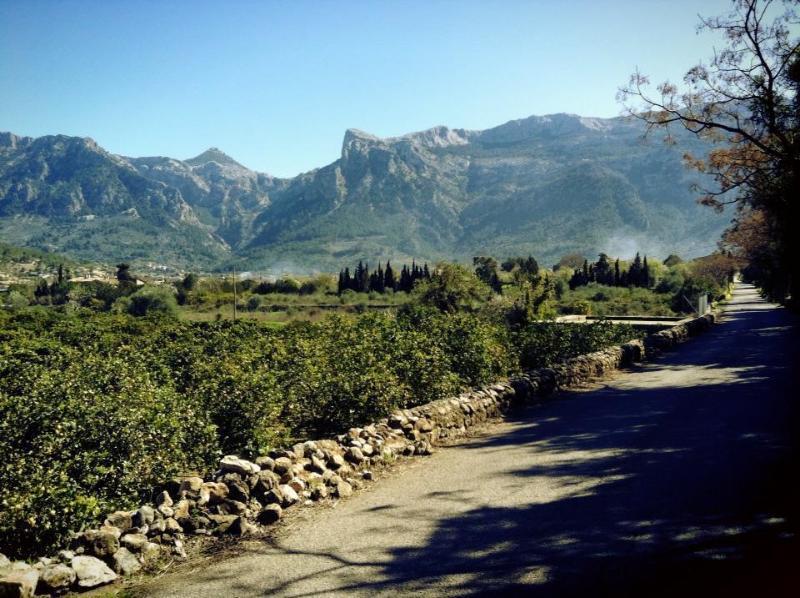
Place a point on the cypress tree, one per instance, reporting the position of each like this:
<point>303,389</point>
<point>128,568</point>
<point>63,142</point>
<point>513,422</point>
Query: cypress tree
<point>616,273</point>
<point>403,282</point>
<point>363,283</point>
<point>408,282</point>
<point>388,277</point>
<point>380,283</point>
<point>42,289</point>
<point>495,283</point>
<point>602,270</point>
<point>635,272</point>
<point>357,276</point>
<point>530,266</point>
<point>576,280</point>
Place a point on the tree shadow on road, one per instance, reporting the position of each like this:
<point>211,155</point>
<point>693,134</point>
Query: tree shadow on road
<point>682,488</point>
<point>632,521</point>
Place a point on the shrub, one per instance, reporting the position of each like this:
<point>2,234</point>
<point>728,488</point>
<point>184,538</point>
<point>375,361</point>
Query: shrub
<point>243,400</point>
<point>87,436</point>
<point>287,285</point>
<point>546,343</point>
<point>452,288</point>
<point>253,303</point>
<point>149,301</point>
<point>16,300</point>
<point>335,377</point>
<point>95,409</point>
<point>422,365</point>
<point>477,348</point>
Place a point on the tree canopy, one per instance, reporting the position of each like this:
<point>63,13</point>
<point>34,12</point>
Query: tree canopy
<point>745,99</point>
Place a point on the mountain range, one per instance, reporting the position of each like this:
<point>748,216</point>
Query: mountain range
<point>544,185</point>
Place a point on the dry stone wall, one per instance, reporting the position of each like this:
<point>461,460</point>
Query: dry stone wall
<point>243,497</point>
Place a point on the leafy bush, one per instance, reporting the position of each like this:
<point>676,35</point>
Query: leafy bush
<point>150,301</point>
<point>86,436</point>
<point>253,303</point>
<point>603,300</point>
<point>95,409</point>
<point>16,300</point>
<point>544,344</point>
<point>477,348</point>
<point>451,288</point>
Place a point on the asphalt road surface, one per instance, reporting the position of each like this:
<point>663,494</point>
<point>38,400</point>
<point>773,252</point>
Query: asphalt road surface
<point>676,477</point>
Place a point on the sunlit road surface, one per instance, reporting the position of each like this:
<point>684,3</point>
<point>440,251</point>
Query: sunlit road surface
<point>677,476</point>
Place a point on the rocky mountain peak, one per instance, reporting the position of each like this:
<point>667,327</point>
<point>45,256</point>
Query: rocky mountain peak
<point>440,136</point>
<point>213,154</point>
<point>357,136</point>
<point>547,126</point>
<point>11,141</point>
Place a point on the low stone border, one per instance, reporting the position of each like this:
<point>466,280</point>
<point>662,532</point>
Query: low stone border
<point>243,496</point>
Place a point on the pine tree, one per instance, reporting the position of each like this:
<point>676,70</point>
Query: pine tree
<point>495,283</point>
<point>124,273</point>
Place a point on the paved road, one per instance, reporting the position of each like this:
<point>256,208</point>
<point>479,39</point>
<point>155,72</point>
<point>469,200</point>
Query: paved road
<point>672,477</point>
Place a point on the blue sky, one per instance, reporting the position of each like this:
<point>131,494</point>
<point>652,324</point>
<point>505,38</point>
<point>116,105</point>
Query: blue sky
<point>275,84</point>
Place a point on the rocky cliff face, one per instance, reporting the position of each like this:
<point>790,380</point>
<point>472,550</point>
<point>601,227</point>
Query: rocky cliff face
<point>71,177</point>
<point>68,194</point>
<point>544,185</point>
<point>224,194</point>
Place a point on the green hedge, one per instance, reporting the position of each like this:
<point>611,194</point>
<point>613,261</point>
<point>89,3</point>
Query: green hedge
<point>96,409</point>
